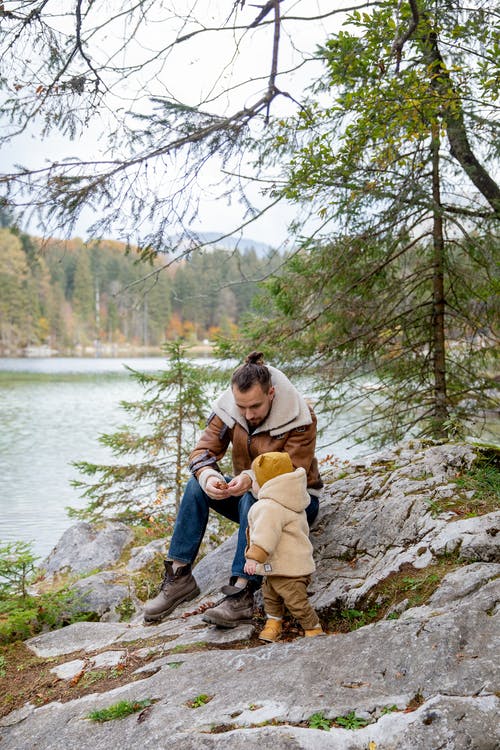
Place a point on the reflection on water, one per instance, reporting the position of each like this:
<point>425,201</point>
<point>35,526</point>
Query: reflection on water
<point>52,412</point>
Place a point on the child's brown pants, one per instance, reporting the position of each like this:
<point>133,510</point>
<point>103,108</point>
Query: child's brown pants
<point>281,591</point>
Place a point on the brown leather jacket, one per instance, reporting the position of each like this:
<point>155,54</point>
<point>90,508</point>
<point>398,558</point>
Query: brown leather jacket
<point>290,426</point>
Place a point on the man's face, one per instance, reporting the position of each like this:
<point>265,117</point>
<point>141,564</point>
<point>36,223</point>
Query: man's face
<point>254,404</point>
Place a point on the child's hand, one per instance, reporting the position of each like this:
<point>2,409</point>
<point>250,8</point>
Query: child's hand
<point>250,567</point>
<point>239,485</point>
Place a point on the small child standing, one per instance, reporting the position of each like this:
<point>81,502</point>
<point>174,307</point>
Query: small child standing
<point>278,544</point>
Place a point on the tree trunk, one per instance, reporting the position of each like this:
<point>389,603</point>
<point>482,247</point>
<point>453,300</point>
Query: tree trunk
<point>440,408</point>
<point>179,441</point>
<point>460,147</point>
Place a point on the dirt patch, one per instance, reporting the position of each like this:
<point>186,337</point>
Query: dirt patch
<point>26,678</point>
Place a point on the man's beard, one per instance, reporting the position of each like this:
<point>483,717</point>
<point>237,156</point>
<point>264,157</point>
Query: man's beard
<point>257,422</point>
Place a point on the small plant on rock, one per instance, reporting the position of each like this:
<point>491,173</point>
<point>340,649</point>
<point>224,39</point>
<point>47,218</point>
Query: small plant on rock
<point>351,721</point>
<point>483,479</point>
<point>389,709</point>
<point>318,721</point>
<point>358,618</point>
<point>200,700</point>
<point>23,614</point>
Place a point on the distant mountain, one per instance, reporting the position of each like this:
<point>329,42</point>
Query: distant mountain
<point>228,243</point>
<point>242,243</point>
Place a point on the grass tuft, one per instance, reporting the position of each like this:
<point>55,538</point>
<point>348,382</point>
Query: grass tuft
<point>118,710</point>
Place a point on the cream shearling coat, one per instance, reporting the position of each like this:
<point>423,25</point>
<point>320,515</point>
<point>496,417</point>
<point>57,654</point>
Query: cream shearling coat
<point>278,532</point>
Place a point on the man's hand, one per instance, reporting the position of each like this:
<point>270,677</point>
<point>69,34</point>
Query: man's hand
<point>250,567</point>
<point>216,488</point>
<point>239,485</point>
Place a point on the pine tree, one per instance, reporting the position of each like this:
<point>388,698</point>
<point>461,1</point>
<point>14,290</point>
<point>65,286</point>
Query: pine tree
<point>395,280</point>
<point>165,424</point>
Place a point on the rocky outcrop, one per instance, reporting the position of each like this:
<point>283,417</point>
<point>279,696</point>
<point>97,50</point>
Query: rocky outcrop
<point>420,671</point>
<point>83,548</point>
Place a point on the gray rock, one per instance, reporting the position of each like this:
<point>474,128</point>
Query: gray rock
<point>84,548</point>
<point>475,538</point>
<point>69,669</point>
<point>81,636</point>
<point>214,570</point>
<point>424,681</point>
<point>100,594</point>
<point>462,582</point>
<point>385,519</point>
<point>175,631</point>
<point>108,659</point>
<point>141,557</point>
<point>447,660</point>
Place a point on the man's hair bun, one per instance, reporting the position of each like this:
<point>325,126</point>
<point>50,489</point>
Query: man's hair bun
<point>254,358</point>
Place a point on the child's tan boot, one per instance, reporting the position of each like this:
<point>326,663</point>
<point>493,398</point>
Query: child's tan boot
<point>318,630</point>
<point>271,631</point>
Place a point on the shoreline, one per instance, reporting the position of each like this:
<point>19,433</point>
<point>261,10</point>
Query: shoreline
<point>103,352</point>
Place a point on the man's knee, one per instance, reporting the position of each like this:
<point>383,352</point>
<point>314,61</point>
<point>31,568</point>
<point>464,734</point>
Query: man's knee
<point>192,488</point>
<point>312,510</point>
<point>194,495</point>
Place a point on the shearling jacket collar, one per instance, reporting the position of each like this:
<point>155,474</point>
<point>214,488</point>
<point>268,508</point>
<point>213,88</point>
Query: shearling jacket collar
<point>289,409</point>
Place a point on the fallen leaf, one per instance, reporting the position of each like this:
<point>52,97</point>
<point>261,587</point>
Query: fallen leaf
<point>76,679</point>
<point>202,608</point>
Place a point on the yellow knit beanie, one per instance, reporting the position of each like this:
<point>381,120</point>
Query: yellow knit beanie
<point>269,465</point>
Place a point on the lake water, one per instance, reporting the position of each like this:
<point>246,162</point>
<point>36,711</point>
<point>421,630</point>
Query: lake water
<point>51,414</point>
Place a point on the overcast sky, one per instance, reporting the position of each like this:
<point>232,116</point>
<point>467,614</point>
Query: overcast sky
<point>193,74</point>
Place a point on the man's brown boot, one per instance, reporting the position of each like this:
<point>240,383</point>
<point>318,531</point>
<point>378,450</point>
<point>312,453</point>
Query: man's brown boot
<point>176,588</point>
<point>235,609</point>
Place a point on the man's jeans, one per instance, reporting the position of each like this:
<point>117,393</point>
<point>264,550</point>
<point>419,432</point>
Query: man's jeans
<point>192,519</point>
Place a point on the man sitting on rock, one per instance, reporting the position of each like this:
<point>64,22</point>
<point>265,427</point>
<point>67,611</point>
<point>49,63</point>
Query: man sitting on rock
<point>260,412</point>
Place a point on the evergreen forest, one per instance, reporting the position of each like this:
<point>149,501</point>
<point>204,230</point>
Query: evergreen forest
<point>72,297</point>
